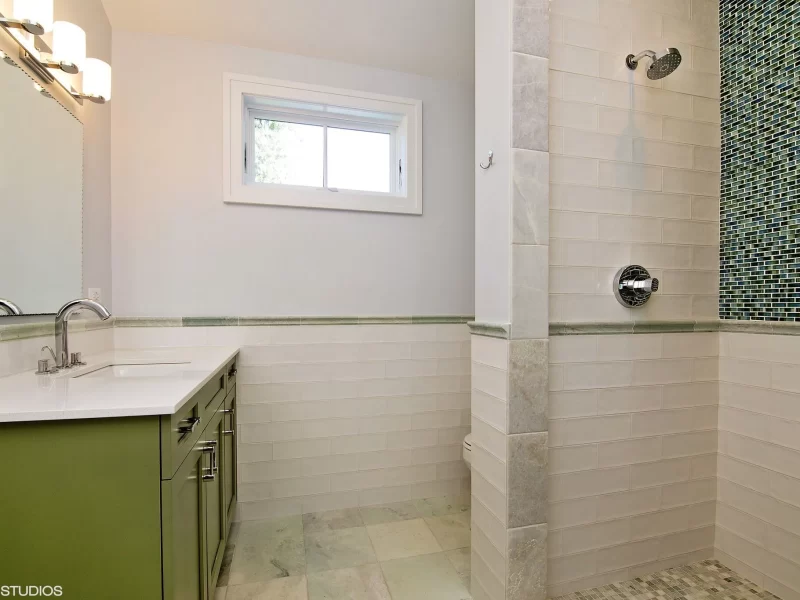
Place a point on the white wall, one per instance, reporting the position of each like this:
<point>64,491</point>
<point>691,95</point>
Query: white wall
<point>493,186</point>
<point>91,16</point>
<point>178,250</point>
<point>634,164</point>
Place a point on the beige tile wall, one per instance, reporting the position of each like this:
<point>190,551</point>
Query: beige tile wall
<point>633,437</point>
<point>634,163</point>
<point>758,515</point>
<point>489,448</point>
<point>341,416</point>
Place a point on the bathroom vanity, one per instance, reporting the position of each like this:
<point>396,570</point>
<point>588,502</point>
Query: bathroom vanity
<point>119,477</point>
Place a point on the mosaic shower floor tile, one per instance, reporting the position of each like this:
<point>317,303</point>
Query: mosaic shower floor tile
<point>705,580</point>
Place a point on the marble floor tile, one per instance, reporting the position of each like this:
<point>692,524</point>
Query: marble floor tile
<point>357,583</point>
<point>451,531</point>
<point>268,550</point>
<point>332,519</point>
<point>337,549</point>
<point>439,507</point>
<point>430,577</point>
<point>288,588</point>
<point>233,532</point>
<point>402,539</point>
<point>387,513</point>
<point>461,560</point>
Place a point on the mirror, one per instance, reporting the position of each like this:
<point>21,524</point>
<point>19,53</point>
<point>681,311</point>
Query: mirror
<point>41,197</point>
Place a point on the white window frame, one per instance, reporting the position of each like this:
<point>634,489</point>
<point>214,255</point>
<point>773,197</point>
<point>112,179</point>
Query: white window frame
<point>246,98</point>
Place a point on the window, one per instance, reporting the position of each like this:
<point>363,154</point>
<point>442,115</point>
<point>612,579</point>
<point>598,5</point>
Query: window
<point>291,144</point>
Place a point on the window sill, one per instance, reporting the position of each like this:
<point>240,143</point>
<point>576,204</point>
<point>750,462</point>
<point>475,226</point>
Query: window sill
<point>326,199</point>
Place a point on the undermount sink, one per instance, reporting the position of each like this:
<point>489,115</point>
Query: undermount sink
<point>136,371</point>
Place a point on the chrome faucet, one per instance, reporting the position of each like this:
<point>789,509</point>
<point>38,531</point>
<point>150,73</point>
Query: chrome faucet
<point>62,323</point>
<point>9,307</point>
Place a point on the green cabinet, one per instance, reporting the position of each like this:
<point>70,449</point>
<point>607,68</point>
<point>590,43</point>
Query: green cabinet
<point>229,472</point>
<point>215,514</point>
<point>182,531</point>
<point>134,508</point>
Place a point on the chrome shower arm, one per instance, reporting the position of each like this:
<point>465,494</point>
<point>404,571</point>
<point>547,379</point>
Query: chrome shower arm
<point>633,60</point>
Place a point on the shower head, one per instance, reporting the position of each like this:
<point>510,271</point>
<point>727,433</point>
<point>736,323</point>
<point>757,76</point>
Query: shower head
<point>663,64</point>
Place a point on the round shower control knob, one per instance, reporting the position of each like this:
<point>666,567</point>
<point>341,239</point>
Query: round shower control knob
<point>633,286</point>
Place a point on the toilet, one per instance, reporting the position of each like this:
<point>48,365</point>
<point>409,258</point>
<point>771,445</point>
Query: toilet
<point>468,450</point>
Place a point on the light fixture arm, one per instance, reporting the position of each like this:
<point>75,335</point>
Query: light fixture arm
<point>67,67</point>
<point>29,26</point>
<point>89,97</point>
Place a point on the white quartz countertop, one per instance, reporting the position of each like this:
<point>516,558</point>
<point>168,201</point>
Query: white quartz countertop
<point>80,393</point>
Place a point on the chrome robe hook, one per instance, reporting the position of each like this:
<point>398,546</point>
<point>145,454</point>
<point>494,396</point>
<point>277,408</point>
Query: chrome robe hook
<point>491,161</point>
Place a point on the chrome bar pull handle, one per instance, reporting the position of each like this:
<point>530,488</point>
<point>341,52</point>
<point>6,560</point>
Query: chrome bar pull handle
<point>188,425</point>
<point>210,446</point>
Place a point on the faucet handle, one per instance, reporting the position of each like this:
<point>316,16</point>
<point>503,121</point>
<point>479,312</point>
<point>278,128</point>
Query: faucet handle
<point>75,360</point>
<point>44,367</point>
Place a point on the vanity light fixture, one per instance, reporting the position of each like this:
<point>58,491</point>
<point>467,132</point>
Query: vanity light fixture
<point>34,18</point>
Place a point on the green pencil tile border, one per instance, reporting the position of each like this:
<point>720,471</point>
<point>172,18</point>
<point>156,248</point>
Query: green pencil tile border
<point>149,322</point>
<point>495,330</point>
<point>761,327</point>
<point>286,321</point>
<point>633,327</point>
<point>44,328</point>
<point>24,331</point>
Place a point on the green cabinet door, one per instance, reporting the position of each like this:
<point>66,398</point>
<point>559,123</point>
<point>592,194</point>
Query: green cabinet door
<point>215,514</point>
<point>229,456</point>
<point>183,522</point>
<point>79,507</point>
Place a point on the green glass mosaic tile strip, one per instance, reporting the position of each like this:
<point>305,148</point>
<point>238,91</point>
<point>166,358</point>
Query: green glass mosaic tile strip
<point>760,195</point>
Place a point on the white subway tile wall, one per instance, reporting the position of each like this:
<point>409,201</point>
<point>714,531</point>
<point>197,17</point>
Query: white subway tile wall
<point>490,358</point>
<point>633,451</point>
<point>339,416</point>
<point>758,514</point>
<point>634,162</point>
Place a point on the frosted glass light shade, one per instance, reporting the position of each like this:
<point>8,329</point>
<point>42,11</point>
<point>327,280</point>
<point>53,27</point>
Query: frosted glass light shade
<point>97,78</point>
<point>38,11</point>
<point>69,43</point>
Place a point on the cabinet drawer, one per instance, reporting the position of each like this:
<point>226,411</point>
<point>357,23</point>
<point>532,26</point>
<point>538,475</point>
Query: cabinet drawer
<point>179,432</point>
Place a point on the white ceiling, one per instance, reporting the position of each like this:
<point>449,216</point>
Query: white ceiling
<point>435,38</point>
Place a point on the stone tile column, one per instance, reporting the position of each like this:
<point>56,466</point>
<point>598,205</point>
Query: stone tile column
<point>510,372</point>
<point>527,453</point>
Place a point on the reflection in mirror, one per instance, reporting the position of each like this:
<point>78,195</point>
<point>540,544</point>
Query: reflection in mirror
<point>41,197</point>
